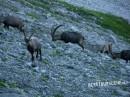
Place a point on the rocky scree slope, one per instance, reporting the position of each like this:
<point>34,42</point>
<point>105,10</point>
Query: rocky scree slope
<point>66,69</point>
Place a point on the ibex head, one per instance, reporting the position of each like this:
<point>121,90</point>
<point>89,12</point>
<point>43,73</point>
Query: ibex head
<point>27,39</point>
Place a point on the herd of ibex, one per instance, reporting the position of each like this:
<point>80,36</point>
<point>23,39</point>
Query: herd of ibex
<point>33,44</point>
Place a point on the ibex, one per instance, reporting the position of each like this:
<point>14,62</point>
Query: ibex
<point>115,55</point>
<point>124,54</point>
<point>106,48</point>
<point>12,21</point>
<point>33,46</point>
<point>73,37</point>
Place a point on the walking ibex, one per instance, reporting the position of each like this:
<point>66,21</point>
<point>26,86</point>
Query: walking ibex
<point>106,48</point>
<point>73,37</point>
<point>33,46</point>
<point>124,54</point>
<point>12,21</point>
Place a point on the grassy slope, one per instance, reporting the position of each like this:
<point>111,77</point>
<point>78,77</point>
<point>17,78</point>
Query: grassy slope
<point>117,24</point>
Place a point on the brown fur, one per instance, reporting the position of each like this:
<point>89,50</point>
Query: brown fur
<point>124,54</point>
<point>13,22</point>
<point>116,55</point>
<point>73,37</point>
<point>33,46</point>
<point>107,48</point>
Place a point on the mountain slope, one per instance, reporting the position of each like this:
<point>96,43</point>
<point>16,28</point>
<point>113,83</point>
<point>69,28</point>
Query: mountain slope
<point>66,69</point>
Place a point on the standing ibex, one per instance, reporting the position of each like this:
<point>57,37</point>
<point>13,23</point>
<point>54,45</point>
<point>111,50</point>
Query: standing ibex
<point>33,46</point>
<point>106,48</point>
<point>12,21</point>
<point>73,37</point>
<point>124,54</point>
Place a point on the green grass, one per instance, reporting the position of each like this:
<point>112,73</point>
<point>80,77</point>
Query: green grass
<point>56,53</point>
<point>45,61</point>
<point>3,84</point>
<point>13,85</point>
<point>115,93</point>
<point>44,77</point>
<point>58,95</point>
<point>33,15</point>
<point>39,3</point>
<point>24,2</point>
<point>117,24</point>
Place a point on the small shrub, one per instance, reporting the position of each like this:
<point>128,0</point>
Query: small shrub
<point>58,95</point>
<point>3,84</point>
<point>56,53</point>
<point>44,78</point>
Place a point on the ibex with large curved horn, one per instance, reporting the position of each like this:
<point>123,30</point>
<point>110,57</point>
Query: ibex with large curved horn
<point>73,37</point>
<point>33,46</point>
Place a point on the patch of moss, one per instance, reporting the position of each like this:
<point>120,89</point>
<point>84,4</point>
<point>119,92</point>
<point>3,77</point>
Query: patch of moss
<point>65,17</point>
<point>125,87</point>
<point>13,85</point>
<point>56,53</point>
<point>38,96</point>
<point>4,59</point>
<point>115,93</point>
<point>44,78</point>
<point>33,15</point>
<point>3,84</point>
<point>62,79</point>
<point>25,3</point>
<point>58,95</point>
<point>39,3</point>
<point>45,61</point>
<point>115,66</point>
<point>13,8</point>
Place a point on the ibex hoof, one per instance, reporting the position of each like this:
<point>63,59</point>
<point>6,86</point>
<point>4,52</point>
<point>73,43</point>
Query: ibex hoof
<point>33,65</point>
